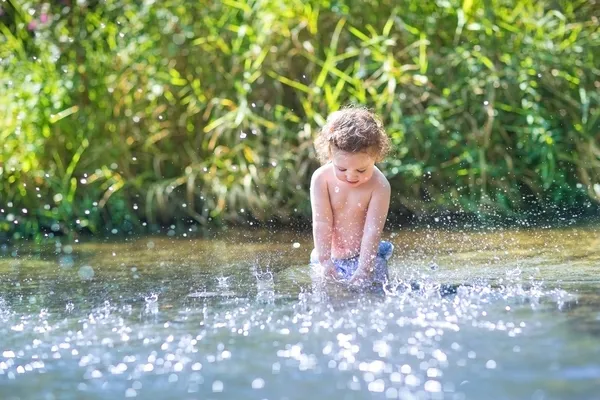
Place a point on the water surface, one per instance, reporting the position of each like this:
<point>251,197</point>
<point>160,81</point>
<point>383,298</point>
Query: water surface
<point>492,314</point>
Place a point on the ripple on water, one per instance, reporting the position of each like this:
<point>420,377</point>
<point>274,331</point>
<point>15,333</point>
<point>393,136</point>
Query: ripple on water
<point>418,341</point>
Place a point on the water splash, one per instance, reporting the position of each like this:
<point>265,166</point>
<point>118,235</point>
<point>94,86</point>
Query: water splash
<point>222,282</point>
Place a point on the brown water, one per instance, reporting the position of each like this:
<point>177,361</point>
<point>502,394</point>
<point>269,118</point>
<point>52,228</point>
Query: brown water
<point>494,314</point>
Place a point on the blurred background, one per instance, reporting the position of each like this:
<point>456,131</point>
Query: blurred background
<point>122,116</point>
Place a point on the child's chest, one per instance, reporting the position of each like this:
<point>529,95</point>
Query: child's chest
<point>353,200</point>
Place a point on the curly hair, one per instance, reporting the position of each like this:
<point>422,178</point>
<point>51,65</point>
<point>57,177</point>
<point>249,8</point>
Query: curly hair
<point>353,130</point>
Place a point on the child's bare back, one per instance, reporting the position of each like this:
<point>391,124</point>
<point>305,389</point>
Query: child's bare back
<point>350,198</point>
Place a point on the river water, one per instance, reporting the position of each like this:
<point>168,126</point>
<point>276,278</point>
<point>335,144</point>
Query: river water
<point>484,314</point>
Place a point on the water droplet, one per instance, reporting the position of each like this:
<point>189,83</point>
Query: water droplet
<point>258,383</point>
<point>86,272</point>
<point>433,386</point>
<point>222,282</point>
<point>66,262</point>
<point>337,189</point>
<point>217,386</point>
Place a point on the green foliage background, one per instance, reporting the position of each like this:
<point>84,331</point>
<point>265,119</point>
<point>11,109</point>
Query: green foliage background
<point>120,115</point>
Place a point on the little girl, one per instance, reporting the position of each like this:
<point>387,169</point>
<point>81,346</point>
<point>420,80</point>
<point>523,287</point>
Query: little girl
<point>350,198</point>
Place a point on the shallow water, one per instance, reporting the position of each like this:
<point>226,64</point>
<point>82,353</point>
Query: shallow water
<point>494,314</point>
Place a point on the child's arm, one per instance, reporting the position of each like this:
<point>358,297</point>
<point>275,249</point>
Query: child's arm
<point>322,219</point>
<point>374,223</point>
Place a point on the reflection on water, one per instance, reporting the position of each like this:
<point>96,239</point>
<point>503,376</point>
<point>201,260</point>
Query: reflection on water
<point>467,315</point>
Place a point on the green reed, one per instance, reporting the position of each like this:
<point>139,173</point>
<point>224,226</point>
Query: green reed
<point>125,116</point>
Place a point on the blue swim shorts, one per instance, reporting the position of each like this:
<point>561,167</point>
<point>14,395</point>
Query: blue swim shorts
<point>347,266</point>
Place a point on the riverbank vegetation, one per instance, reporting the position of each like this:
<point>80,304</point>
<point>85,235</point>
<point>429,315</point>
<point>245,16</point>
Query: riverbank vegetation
<point>122,116</point>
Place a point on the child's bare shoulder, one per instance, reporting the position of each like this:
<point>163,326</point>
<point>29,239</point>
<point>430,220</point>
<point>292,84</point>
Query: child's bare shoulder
<point>322,174</point>
<point>380,180</point>
<point>379,184</point>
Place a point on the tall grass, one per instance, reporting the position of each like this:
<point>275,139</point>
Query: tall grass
<point>124,115</point>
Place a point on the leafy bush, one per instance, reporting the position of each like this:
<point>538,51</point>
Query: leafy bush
<point>124,114</point>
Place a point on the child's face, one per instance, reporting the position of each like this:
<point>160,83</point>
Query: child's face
<point>354,169</point>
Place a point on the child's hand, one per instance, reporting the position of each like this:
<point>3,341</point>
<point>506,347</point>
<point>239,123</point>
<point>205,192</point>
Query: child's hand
<point>331,272</point>
<point>360,278</point>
